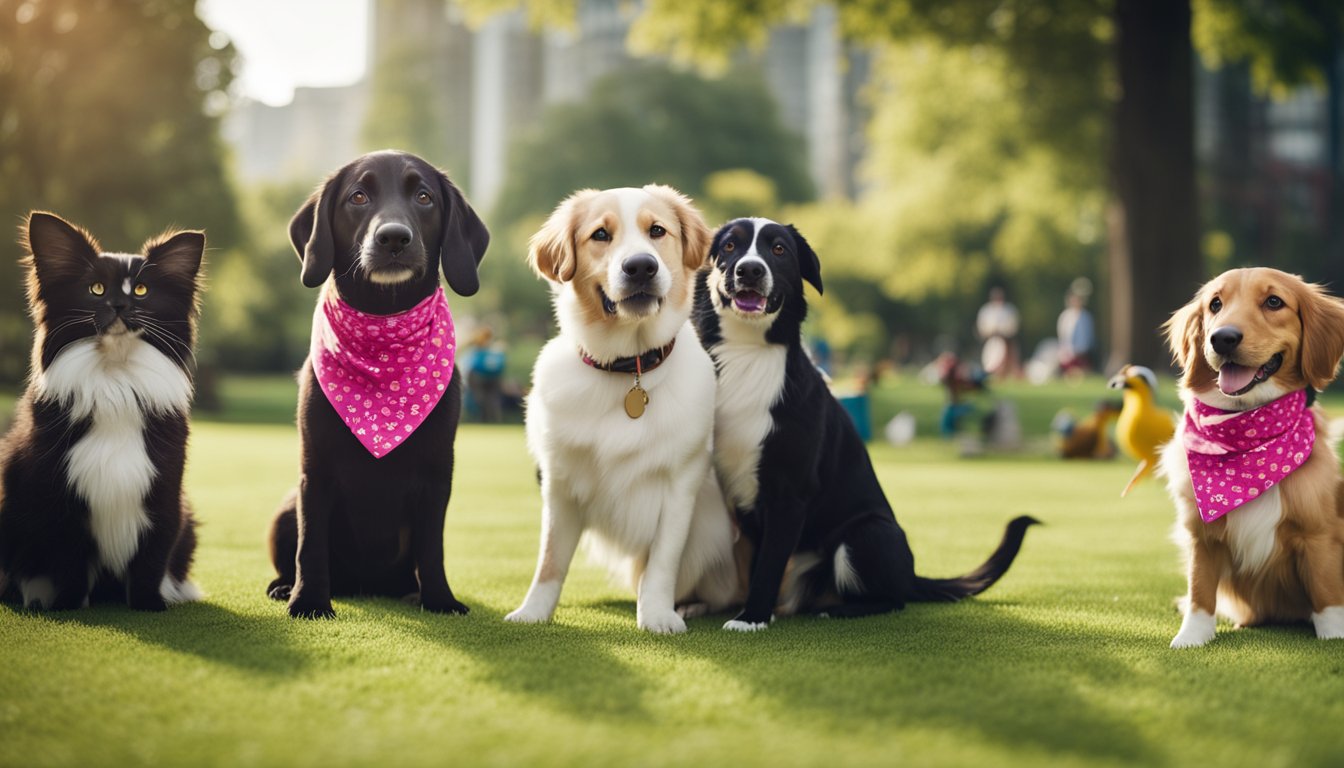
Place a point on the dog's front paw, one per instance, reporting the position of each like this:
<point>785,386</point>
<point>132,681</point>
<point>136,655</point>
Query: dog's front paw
<point>661,622</point>
<point>525,615</point>
<point>1197,629</point>
<point>446,605</point>
<point>279,590</point>
<point>1329,623</point>
<point>737,625</point>
<point>301,608</point>
<point>147,601</point>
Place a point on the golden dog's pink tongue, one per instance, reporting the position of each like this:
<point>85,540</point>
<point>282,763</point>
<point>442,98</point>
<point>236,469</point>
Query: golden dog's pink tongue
<point>1233,378</point>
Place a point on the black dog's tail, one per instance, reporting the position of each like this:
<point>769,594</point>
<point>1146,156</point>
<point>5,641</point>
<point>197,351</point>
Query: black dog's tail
<point>982,578</point>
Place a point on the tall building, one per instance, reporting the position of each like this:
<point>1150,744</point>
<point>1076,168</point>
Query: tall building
<point>1268,173</point>
<point>489,82</point>
<point>311,136</point>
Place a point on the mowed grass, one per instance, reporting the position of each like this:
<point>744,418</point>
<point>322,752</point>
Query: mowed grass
<point>1064,662</point>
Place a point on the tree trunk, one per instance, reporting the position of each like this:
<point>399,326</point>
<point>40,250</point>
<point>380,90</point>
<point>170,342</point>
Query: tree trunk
<point>1153,242</point>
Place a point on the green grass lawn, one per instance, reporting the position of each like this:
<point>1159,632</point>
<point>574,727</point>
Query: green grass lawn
<point>1064,662</point>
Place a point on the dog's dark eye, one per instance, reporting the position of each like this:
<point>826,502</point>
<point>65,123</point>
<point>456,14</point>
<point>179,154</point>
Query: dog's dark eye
<point>358,197</point>
<point>729,246</point>
<point>656,231</point>
<point>1274,302</point>
<point>1215,305</point>
<point>602,234</point>
<point>778,250</point>
<point>423,198</point>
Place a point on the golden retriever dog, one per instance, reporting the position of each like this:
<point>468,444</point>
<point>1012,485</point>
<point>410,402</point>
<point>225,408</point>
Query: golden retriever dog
<point>1255,478</point>
<point>621,412</point>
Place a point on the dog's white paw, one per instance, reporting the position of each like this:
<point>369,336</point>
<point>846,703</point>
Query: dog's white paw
<point>1197,629</point>
<point>1329,623</point>
<point>746,626</point>
<point>524,615</point>
<point>662,622</point>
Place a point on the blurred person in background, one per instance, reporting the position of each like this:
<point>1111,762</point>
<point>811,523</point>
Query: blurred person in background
<point>997,323</point>
<point>1076,331</point>
<point>485,376</point>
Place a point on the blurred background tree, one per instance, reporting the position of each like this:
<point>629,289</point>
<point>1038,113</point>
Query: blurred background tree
<point>653,123</point>
<point>109,116</point>
<point>1010,142</point>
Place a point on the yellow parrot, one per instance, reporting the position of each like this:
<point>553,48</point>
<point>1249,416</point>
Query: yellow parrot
<point>1144,426</point>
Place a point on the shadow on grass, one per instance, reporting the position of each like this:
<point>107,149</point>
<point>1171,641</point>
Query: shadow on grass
<point>970,667</point>
<point>256,644</point>
<point>570,668</point>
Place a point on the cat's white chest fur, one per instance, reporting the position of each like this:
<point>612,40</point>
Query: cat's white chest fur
<point>115,380</point>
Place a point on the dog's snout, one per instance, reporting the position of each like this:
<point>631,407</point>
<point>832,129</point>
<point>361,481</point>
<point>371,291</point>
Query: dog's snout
<point>751,271</point>
<point>1225,339</point>
<point>393,237</point>
<point>641,266</point>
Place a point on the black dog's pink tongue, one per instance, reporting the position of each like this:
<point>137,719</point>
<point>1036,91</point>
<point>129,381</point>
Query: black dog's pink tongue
<point>749,301</point>
<point>1233,378</point>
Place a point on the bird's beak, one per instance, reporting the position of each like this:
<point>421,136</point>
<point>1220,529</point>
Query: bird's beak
<point>1117,382</point>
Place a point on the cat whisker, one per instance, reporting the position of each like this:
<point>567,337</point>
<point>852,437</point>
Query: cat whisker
<point>152,328</point>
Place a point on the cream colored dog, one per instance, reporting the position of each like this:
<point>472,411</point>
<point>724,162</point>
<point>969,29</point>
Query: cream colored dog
<point>620,417</point>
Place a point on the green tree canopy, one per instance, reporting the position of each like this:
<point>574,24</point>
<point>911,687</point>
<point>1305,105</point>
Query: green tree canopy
<point>109,117</point>
<point>650,123</point>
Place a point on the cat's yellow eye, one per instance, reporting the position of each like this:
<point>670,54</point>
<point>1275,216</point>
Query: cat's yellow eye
<point>141,289</point>
<point>96,289</point>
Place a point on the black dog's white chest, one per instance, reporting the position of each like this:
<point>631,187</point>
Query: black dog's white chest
<point>751,380</point>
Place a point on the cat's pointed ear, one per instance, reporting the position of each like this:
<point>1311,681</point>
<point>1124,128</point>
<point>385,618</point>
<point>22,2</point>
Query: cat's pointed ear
<point>177,254</point>
<point>57,247</point>
<point>310,231</point>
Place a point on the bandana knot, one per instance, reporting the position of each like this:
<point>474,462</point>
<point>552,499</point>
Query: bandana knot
<point>1235,456</point>
<point>383,373</point>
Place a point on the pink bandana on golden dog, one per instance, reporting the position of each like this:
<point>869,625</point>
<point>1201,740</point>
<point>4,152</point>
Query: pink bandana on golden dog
<point>383,373</point>
<point>1235,458</point>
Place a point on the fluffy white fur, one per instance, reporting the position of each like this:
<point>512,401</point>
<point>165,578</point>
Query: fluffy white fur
<point>1197,628</point>
<point>847,579</point>
<point>116,379</point>
<point>1329,623</point>
<point>642,489</point>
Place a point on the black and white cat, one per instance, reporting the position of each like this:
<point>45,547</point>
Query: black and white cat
<point>91,501</point>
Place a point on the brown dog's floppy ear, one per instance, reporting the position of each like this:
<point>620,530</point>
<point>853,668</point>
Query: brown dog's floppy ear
<point>695,232</point>
<point>552,252</point>
<point>310,231</point>
<point>462,241</point>
<point>1322,335</point>
<point>809,266</point>
<point>1185,337</point>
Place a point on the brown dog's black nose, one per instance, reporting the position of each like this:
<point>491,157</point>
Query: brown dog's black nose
<point>641,266</point>
<point>393,237</point>
<point>1225,339</point>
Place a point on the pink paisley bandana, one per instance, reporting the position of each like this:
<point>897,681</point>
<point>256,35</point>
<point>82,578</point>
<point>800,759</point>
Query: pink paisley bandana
<point>1234,461</point>
<point>383,373</point>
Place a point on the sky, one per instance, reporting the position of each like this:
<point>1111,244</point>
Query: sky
<point>288,43</point>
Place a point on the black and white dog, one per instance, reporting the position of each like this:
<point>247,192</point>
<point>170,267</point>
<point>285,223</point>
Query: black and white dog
<point>788,456</point>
